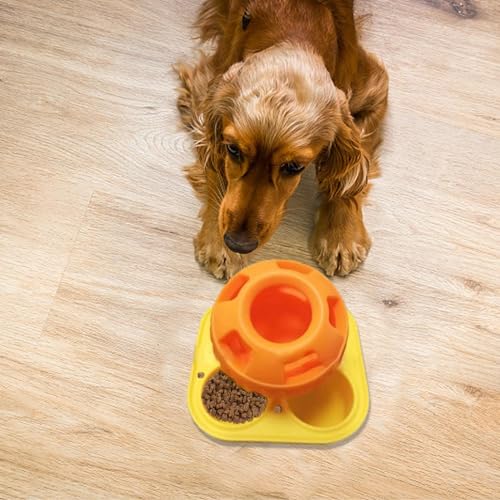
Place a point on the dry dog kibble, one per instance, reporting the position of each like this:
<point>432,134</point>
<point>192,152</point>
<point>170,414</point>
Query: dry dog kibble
<point>228,402</point>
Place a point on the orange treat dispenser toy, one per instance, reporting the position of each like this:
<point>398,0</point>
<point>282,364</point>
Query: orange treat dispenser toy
<point>281,329</point>
<point>278,328</point>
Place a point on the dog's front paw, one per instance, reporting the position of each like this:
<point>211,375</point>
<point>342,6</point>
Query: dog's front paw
<point>341,253</point>
<point>212,254</point>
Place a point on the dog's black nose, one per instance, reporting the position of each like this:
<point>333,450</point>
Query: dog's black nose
<point>240,242</point>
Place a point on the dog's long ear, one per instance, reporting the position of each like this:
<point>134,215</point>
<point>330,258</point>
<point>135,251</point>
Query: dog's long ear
<point>218,104</point>
<point>342,170</point>
<point>211,147</point>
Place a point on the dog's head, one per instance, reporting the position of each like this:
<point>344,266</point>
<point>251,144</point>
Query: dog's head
<point>267,120</point>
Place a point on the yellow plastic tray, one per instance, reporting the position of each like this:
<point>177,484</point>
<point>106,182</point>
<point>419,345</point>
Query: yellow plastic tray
<point>329,413</point>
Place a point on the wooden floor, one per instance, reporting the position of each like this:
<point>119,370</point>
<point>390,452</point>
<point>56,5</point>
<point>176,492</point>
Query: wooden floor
<point>100,296</point>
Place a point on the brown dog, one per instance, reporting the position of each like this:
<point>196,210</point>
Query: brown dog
<point>288,87</point>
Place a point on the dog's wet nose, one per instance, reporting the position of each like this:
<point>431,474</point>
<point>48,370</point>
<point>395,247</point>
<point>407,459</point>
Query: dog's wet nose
<point>240,242</point>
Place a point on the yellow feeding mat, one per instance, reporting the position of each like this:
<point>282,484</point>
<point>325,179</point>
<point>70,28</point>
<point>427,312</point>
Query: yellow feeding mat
<point>329,413</point>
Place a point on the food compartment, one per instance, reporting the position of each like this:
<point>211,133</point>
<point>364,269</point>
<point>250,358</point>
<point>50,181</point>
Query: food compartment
<point>327,405</point>
<point>226,402</point>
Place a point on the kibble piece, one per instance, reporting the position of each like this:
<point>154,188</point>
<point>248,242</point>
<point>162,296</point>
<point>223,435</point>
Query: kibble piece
<point>228,402</point>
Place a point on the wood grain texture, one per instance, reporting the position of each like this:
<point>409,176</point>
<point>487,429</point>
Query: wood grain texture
<point>100,296</point>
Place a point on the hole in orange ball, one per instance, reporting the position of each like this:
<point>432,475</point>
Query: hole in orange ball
<point>281,313</point>
<point>236,346</point>
<point>233,287</point>
<point>332,304</point>
<point>294,266</point>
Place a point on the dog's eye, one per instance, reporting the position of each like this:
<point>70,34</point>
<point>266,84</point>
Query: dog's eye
<point>291,168</point>
<point>245,20</point>
<point>234,151</point>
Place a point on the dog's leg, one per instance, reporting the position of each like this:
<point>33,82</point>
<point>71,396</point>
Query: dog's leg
<point>368,102</point>
<point>210,250</point>
<point>340,241</point>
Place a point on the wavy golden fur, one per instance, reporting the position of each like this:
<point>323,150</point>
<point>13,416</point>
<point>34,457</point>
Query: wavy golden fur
<point>287,87</point>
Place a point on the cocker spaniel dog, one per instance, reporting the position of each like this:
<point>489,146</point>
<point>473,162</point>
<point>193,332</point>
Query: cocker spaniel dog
<point>286,87</point>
